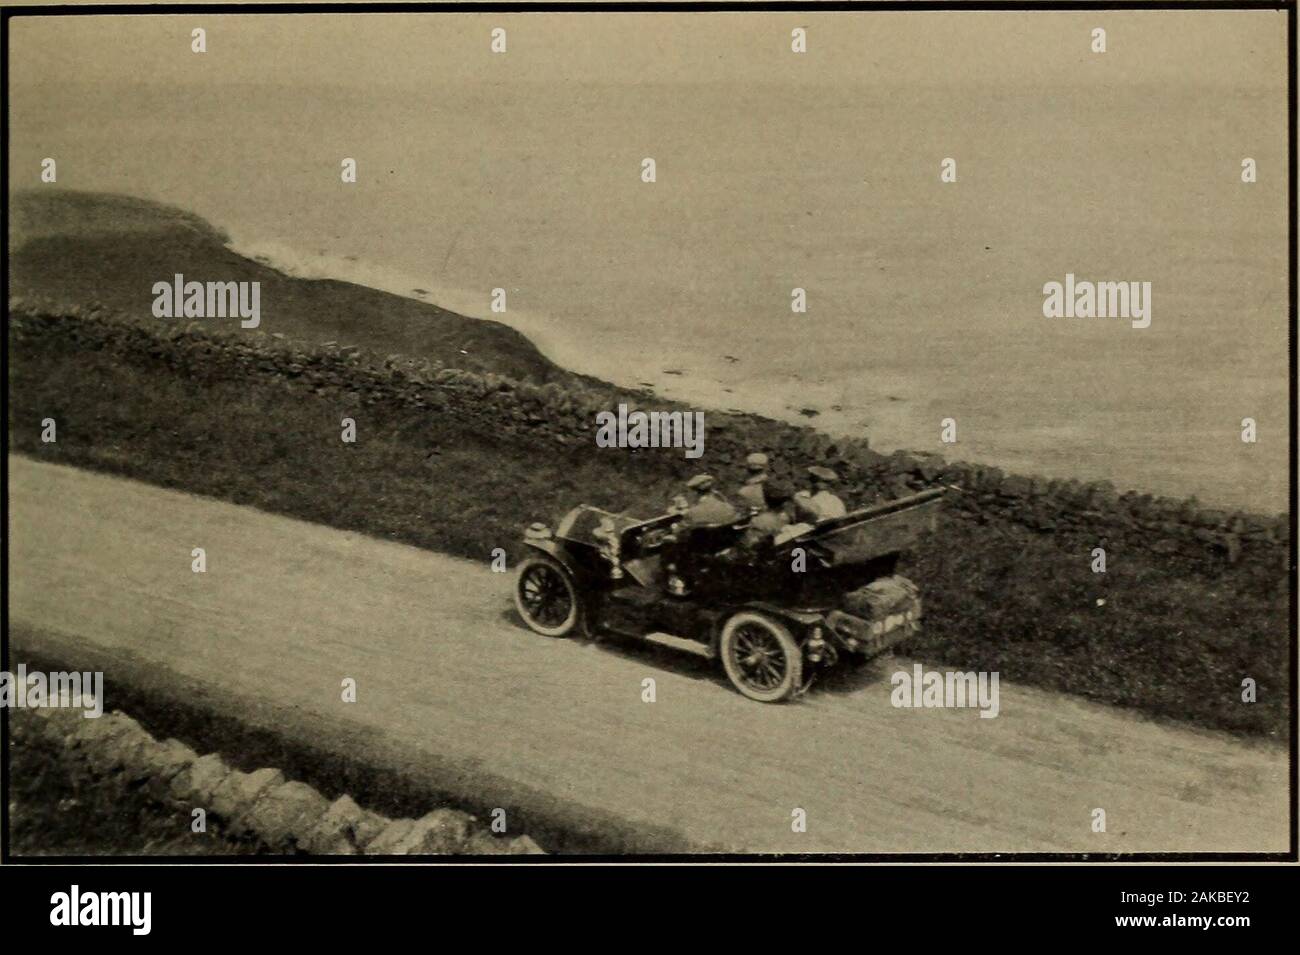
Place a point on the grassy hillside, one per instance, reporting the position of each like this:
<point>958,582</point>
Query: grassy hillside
<point>1171,635</point>
<point>76,248</point>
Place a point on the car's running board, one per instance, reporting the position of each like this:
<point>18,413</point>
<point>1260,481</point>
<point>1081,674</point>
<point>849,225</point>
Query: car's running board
<point>680,643</point>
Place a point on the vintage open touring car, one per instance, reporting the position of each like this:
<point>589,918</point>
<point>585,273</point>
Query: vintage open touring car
<point>772,617</point>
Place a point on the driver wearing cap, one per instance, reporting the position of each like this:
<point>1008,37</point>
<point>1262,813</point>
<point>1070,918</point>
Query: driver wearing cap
<point>709,507</point>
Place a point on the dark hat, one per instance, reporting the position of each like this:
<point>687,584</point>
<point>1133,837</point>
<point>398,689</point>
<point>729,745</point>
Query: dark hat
<point>775,494</point>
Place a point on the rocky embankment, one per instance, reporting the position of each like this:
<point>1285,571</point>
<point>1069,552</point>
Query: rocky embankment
<point>261,811</point>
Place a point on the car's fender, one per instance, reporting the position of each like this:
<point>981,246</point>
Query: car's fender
<point>799,622</point>
<point>551,548</point>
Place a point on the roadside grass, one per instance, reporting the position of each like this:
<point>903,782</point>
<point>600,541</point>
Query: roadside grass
<point>1169,637</point>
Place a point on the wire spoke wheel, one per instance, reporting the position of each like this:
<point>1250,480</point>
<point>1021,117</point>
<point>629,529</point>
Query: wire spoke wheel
<point>760,657</point>
<point>545,597</point>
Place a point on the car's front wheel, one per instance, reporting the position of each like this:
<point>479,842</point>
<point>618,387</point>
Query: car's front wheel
<point>761,658</point>
<point>546,597</point>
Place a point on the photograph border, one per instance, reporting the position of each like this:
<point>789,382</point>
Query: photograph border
<point>659,6</point>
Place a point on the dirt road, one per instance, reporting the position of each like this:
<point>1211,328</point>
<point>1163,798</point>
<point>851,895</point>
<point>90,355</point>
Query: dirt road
<point>451,688</point>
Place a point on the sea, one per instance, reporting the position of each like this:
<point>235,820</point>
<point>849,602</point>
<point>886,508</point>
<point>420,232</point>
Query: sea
<point>922,298</point>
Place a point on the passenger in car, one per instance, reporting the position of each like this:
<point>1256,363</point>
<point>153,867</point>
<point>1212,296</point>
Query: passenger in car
<point>777,515</point>
<point>820,503</point>
<point>751,492</point>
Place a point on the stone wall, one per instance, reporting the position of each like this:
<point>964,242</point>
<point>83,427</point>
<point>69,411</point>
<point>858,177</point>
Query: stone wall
<point>280,816</point>
<point>1094,511</point>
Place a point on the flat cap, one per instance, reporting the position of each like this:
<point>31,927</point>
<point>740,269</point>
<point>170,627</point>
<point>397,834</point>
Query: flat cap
<point>823,474</point>
<point>701,482</point>
<point>756,461</point>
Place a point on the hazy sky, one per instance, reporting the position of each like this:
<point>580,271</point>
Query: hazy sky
<point>1245,48</point>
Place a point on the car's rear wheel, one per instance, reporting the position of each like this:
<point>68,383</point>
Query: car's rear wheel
<point>761,658</point>
<point>546,597</point>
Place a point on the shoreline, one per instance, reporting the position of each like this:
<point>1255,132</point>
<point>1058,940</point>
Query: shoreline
<point>882,408</point>
<point>823,405</point>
